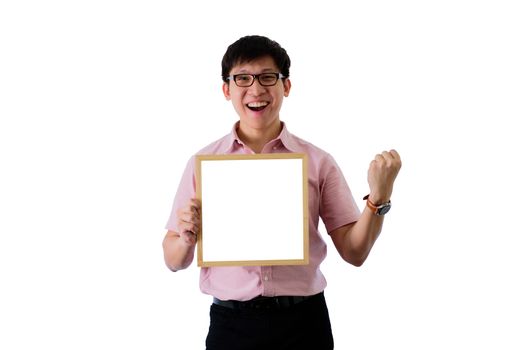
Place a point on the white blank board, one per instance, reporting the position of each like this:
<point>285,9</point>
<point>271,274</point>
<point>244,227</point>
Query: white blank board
<point>254,209</point>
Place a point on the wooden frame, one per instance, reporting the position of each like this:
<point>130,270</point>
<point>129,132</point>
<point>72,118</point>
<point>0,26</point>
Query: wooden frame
<point>254,209</point>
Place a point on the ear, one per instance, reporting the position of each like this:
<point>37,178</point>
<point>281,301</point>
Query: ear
<point>225,90</point>
<point>287,87</point>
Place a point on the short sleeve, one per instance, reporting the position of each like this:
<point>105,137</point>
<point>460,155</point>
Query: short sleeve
<point>337,205</point>
<point>186,191</point>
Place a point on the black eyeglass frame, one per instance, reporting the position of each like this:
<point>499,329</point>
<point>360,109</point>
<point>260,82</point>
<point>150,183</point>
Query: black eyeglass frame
<point>256,77</point>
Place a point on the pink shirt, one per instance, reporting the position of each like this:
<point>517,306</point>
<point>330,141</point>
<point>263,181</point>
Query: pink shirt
<point>329,198</point>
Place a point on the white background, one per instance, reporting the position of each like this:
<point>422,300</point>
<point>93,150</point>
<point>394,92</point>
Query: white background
<point>103,102</point>
<point>252,209</point>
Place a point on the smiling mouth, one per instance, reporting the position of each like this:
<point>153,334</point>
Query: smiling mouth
<point>257,106</point>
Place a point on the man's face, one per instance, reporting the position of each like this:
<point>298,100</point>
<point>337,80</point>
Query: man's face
<point>257,106</point>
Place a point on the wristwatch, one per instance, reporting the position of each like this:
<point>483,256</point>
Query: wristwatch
<point>381,209</point>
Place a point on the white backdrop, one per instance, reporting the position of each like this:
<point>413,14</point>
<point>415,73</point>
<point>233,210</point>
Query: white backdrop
<point>103,102</point>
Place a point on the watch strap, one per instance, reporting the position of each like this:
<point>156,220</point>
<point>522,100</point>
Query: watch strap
<point>380,209</point>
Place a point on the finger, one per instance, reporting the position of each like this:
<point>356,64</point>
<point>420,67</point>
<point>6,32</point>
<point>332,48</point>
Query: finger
<point>396,156</point>
<point>388,158</point>
<point>379,158</point>
<point>189,227</point>
<point>192,211</point>
<point>185,217</point>
<point>189,237</point>
<point>195,204</point>
<point>188,211</point>
<point>189,233</point>
<point>394,153</point>
<point>188,208</point>
<point>188,218</point>
<point>386,155</point>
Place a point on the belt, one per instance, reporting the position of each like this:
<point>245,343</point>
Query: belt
<point>265,303</point>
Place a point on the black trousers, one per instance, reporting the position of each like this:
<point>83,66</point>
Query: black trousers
<point>302,326</point>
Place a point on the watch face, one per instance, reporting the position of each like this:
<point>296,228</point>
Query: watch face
<point>383,210</point>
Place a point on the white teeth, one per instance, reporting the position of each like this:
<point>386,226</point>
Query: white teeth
<point>257,104</point>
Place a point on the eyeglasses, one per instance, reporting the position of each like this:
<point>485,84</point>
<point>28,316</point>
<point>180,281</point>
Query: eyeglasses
<point>264,79</point>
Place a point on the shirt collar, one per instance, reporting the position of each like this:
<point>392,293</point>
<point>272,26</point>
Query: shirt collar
<point>287,139</point>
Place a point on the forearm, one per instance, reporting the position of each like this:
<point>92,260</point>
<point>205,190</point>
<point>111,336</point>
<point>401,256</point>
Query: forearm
<point>177,254</point>
<point>361,236</point>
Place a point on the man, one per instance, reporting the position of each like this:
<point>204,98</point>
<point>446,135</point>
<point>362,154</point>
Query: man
<point>276,307</point>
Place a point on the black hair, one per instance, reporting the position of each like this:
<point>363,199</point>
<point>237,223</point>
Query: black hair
<point>251,47</point>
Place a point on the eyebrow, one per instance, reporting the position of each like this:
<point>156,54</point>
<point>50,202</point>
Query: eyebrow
<point>265,70</point>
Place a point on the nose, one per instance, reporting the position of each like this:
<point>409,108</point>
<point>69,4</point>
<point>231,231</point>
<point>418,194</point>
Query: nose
<point>256,89</point>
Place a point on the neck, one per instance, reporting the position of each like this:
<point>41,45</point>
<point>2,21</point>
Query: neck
<point>256,139</point>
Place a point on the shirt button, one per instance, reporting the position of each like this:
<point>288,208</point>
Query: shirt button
<point>266,278</point>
